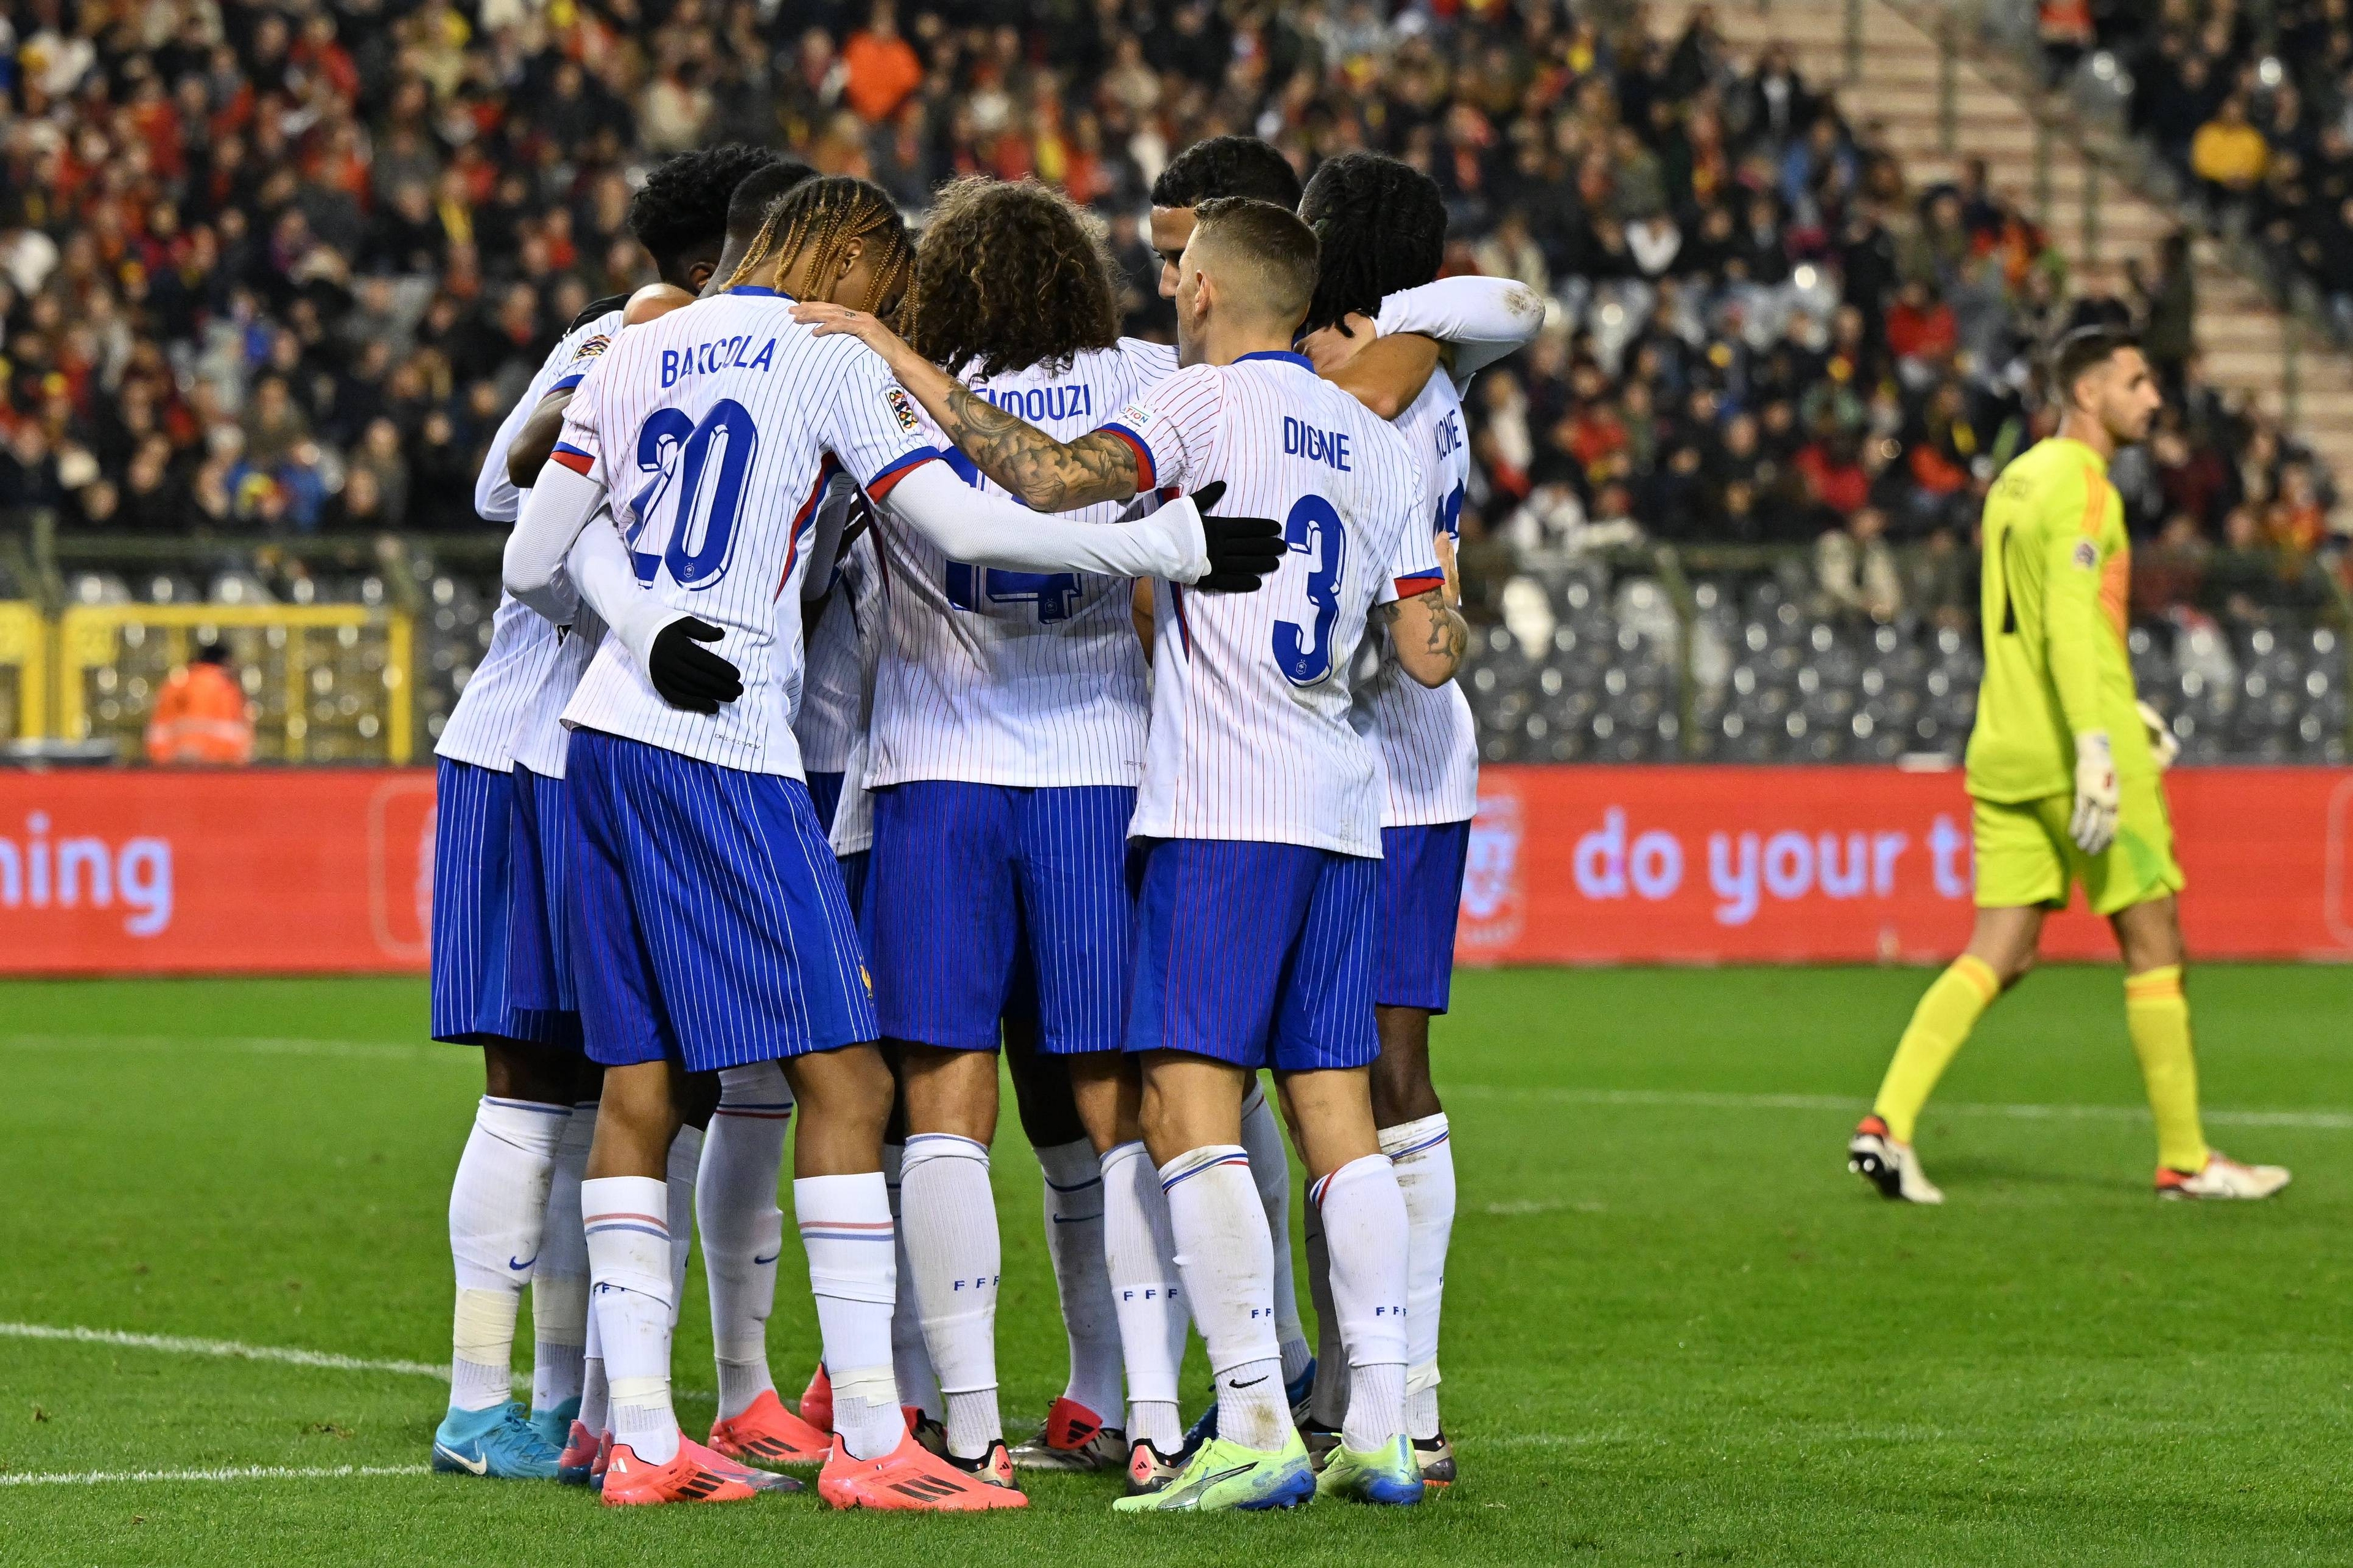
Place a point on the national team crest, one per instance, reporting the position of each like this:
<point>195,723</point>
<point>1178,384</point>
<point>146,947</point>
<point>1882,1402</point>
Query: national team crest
<point>1492,898</point>
<point>902,409</point>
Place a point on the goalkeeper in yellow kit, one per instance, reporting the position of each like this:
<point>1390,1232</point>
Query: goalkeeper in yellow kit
<point>2063,783</point>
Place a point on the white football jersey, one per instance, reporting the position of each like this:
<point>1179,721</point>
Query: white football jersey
<point>1426,740</point>
<point>715,430</point>
<point>499,697</point>
<point>540,737</point>
<point>1250,737</point>
<point>834,687</point>
<point>1028,678</point>
<point>838,693</point>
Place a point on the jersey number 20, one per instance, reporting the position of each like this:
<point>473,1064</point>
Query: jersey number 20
<point>676,451</point>
<point>1314,530</point>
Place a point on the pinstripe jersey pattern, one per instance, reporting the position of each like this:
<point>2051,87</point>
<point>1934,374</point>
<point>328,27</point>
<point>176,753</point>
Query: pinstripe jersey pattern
<point>833,686</point>
<point>1016,677</point>
<point>840,686</point>
<point>1250,737</point>
<point>1427,741</point>
<point>491,710</point>
<point>715,429</point>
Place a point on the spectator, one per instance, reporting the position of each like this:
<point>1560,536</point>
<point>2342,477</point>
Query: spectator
<point>2228,156</point>
<point>880,69</point>
<point>2169,308</point>
<point>201,717</point>
<point>1855,572</point>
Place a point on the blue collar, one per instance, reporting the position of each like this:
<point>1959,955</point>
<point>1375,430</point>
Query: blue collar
<point>756,291</point>
<point>1300,360</point>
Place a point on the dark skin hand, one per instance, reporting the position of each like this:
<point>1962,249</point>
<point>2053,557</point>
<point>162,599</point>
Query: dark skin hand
<point>535,442</point>
<point>1383,374</point>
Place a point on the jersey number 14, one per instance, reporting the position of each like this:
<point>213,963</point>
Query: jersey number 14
<point>1055,594</point>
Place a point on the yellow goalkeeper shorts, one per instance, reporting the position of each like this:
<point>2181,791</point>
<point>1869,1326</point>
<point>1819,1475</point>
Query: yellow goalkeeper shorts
<point>2024,854</point>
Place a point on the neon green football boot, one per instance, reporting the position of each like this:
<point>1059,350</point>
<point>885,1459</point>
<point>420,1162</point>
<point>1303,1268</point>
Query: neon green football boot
<point>1388,1474</point>
<point>1224,1475</point>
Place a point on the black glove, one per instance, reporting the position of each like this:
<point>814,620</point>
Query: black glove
<point>1244,551</point>
<point>689,675</point>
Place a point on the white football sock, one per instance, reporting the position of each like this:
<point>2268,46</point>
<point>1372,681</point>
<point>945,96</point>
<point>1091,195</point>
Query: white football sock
<point>685,1156</point>
<point>1074,1240</point>
<point>1364,1220</point>
<point>1328,1406</point>
<point>559,1281</point>
<point>629,1268</point>
<point>1139,1256</point>
<point>846,1229</point>
<point>948,1220</point>
<point>1226,1262</point>
<point>911,1359</point>
<point>498,1213</point>
<point>596,1393</point>
<point>1423,1154</point>
<point>1270,1169</point>
<point>743,1228</point>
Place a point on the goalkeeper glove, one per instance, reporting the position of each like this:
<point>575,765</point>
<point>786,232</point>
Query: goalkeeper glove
<point>2094,826</point>
<point>2161,742</point>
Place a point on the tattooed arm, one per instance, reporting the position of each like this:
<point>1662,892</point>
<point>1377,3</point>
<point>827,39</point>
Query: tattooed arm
<point>1428,631</point>
<point>1046,474</point>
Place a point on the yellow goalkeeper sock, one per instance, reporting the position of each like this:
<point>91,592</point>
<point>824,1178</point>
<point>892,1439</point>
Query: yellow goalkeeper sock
<point>2156,1016</point>
<point>1948,1012</point>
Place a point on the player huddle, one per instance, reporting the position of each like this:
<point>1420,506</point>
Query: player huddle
<point>901,666</point>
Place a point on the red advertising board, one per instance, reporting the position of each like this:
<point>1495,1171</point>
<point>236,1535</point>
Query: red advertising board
<point>325,870</point>
<point>1695,865</point>
<point>257,871</point>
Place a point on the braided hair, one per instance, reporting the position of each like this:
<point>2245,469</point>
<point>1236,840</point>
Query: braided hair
<point>1382,225</point>
<point>1011,276</point>
<point>817,219</point>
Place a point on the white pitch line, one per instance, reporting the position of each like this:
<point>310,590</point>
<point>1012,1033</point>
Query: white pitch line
<point>2315,1120</point>
<point>235,1349</point>
<point>228,1473</point>
<point>251,1045</point>
<point>181,1344</point>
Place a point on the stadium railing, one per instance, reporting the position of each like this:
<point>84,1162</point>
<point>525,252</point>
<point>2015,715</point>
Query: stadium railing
<point>24,670</point>
<point>353,648</point>
<point>1734,653</point>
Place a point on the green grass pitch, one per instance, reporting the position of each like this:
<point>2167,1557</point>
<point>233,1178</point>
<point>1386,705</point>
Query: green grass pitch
<point>1677,1330</point>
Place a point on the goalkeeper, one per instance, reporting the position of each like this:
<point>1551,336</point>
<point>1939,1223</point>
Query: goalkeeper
<point>2063,777</point>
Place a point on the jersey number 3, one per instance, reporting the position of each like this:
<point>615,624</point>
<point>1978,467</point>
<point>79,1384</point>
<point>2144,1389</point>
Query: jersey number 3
<point>677,453</point>
<point>1312,530</point>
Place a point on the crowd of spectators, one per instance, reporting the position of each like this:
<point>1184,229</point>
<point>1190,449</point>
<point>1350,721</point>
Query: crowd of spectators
<point>274,268</point>
<point>2253,106</point>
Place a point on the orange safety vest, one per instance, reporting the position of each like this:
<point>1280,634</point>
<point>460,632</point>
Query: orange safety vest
<point>200,718</point>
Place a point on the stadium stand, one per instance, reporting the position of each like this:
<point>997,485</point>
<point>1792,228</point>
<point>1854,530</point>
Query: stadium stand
<point>271,274</point>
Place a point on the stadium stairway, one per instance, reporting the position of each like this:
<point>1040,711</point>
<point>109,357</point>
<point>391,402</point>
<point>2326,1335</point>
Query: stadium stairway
<point>2244,337</point>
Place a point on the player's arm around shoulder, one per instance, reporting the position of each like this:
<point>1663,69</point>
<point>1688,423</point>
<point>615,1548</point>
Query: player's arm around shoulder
<point>1384,372</point>
<point>1046,474</point>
